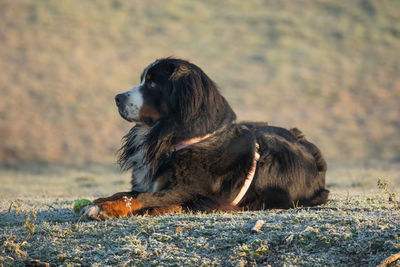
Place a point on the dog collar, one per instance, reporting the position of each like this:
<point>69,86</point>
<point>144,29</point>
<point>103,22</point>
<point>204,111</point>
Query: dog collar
<point>189,142</point>
<point>249,178</point>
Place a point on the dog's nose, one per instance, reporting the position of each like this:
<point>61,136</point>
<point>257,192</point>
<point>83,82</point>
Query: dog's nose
<point>120,99</point>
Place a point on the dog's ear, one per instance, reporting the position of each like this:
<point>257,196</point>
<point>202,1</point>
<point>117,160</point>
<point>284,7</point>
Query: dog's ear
<point>188,93</point>
<point>196,100</point>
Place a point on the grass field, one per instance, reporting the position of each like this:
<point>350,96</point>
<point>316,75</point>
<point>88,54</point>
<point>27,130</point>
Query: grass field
<point>358,227</point>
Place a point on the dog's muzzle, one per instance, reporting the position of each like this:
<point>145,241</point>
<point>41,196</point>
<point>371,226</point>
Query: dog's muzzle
<point>129,104</point>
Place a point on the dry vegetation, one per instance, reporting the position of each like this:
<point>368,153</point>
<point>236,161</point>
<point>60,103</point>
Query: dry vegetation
<point>329,67</point>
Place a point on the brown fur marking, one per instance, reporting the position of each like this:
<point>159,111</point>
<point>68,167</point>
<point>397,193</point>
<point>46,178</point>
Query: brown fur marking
<point>118,208</point>
<point>149,112</point>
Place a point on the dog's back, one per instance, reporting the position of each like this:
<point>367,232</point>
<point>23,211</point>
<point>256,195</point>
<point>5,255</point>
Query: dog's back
<point>285,175</point>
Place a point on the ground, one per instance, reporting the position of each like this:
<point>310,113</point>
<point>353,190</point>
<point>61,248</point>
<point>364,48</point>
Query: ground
<point>359,226</point>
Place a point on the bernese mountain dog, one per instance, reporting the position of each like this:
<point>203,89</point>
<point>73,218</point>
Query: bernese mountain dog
<point>187,152</point>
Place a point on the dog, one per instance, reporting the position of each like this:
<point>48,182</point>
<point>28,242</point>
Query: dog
<point>187,152</point>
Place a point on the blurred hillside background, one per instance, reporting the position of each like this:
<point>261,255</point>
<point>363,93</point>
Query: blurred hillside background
<point>331,68</point>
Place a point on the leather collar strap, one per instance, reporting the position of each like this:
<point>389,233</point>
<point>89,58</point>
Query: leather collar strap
<point>249,178</point>
<point>189,142</point>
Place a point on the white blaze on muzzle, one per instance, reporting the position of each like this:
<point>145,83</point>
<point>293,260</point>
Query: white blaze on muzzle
<point>130,102</point>
<point>134,102</point>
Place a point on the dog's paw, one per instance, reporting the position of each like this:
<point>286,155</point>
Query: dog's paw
<point>111,209</point>
<point>91,212</point>
<point>96,212</point>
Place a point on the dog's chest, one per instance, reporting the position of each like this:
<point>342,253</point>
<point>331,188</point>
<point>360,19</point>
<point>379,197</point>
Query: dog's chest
<point>141,172</point>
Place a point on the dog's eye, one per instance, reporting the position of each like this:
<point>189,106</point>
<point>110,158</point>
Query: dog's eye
<point>152,84</point>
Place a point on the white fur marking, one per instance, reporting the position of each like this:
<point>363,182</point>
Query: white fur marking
<point>141,170</point>
<point>155,187</point>
<point>91,211</point>
<point>135,97</point>
<point>142,179</point>
<point>134,102</point>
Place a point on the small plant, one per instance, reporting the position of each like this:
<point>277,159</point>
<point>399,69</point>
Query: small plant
<point>383,185</point>
<point>295,204</point>
<point>11,248</point>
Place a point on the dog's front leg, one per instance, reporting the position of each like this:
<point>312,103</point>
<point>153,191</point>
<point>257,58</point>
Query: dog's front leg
<point>113,206</point>
<point>124,205</point>
<point>109,208</point>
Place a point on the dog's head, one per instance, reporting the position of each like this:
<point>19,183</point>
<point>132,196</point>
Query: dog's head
<point>176,101</point>
<point>177,91</point>
<point>142,104</point>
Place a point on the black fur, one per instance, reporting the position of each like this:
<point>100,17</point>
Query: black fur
<point>209,174</point>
